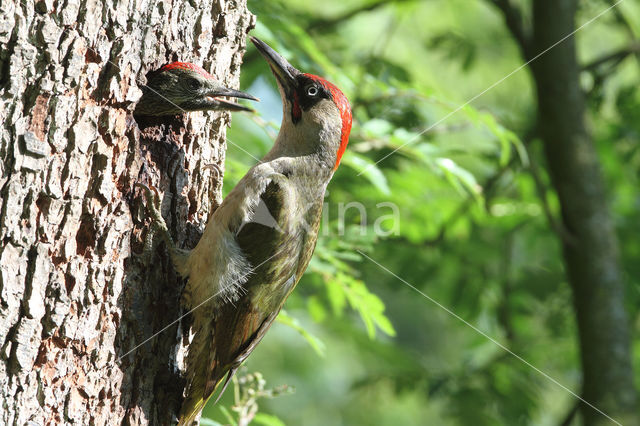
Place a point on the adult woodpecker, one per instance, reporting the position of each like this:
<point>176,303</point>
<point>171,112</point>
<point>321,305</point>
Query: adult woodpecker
<point>182,87</point>
<point>258,243</point>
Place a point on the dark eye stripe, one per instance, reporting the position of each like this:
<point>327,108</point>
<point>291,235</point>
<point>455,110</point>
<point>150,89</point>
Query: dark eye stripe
<point>307,100</point>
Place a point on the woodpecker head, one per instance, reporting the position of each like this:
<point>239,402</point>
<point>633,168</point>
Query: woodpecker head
<point>316,114</point>
<point>182,87</point>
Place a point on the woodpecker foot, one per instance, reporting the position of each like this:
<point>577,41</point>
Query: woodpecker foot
<point>215,169</point>
<point>178,256</point>
<point>216,179</point>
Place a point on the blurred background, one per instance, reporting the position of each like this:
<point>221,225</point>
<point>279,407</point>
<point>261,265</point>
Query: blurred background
<point>477,223</point>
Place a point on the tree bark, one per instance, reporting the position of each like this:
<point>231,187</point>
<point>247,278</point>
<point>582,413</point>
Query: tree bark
<point>591,255</point>
<point>591,252</point>
<point>77,293</point>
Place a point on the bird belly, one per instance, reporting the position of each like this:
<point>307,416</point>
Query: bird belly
<point>216,267</point>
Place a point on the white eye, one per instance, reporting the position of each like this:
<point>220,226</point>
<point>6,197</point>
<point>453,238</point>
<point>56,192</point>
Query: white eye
<point>312,91</point>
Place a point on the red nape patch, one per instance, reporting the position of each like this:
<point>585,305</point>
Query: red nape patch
<point>186,66</point>
<point>342,103</point>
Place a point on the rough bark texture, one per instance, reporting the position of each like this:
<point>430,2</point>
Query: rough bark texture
<point>591,256</point>
<point>75,292</point>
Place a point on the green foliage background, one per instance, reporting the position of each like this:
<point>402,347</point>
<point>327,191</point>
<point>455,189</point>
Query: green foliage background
<point>360,346</point>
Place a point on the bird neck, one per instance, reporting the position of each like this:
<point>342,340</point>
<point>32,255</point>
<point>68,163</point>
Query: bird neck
<point>310,148</point>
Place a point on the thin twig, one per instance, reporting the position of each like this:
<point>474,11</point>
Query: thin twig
<point>616,57</point>
<point>556,226</point>
<point>515,23</point>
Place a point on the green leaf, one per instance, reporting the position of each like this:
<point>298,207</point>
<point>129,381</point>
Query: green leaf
<point>229,416</point>
<point>316,309</point>
<point>368,305</point>
<point>377,128</point>
<point>315,343</point>
<point>384,324</point>
<point>506,137</point>
<point>459,177</point>
<point>337,297</point>
<point>498,131</point>
<point>267,420</point>
<point>209,422</point>
<point>368,169</point>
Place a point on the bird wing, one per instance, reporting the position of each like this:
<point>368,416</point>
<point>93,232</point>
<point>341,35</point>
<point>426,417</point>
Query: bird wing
<point>278,246</point>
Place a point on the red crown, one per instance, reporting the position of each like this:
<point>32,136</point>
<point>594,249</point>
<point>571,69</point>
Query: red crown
<point>342,103</point>
<point>186,66</point>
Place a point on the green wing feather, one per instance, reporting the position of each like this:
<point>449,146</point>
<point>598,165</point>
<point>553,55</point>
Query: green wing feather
<point>279,255</point>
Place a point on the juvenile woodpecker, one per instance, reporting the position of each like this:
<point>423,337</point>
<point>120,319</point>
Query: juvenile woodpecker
<point>182,87</point>
<point>258,243</point>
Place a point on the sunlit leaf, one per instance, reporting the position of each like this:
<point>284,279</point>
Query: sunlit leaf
<point>337,297</point>
<point>316,309</point>
<point>368,169</point>
<point>209,422</point>
<point>376,128</point>
<point>367,304</point>
<point>314,342</point>
<point>267,420</point>
<point>459,177</point>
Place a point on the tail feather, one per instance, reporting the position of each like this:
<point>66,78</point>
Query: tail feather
<point>191,408</point>
<point>204,378</point>
<point>197,373</point>
<point>224,387</point>
<point>192,412</point>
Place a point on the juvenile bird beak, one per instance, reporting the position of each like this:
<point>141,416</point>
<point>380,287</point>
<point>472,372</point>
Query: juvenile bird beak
<point>285,72</point>
<point>214,94</point>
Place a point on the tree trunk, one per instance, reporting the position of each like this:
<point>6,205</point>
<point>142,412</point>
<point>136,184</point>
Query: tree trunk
<point>77,293</point>
<point>591,255</point>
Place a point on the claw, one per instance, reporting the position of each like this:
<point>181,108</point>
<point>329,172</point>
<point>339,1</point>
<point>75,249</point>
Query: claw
<point>214,168</point>
<point>216,179</point>
<point>178,256</point>
<point>153,204</point>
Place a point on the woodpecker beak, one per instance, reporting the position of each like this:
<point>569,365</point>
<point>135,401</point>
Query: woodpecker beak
<point>212,97</point>
<point>285,73</point>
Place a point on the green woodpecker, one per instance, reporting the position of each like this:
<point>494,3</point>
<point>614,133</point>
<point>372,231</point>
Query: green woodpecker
<point>182,87</point>
<point>258,243</point>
